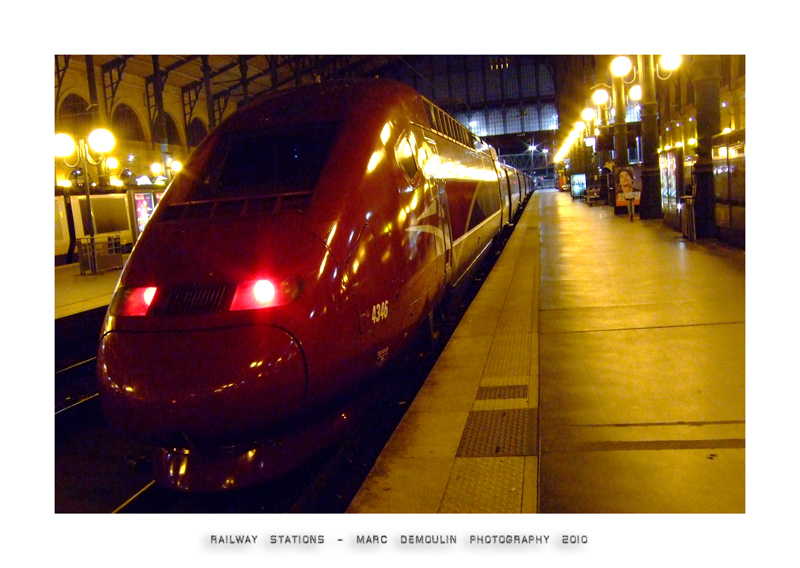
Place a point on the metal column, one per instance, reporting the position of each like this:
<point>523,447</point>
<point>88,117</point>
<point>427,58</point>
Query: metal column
<point>706,80</point>
<point>650,202</point>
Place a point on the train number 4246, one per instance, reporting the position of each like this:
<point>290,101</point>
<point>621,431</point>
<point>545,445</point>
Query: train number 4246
<point>380,311</point>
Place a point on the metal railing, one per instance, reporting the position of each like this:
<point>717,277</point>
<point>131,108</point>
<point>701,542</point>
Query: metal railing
<point>98,254</point>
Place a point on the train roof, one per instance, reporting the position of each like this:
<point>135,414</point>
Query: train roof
<point>319,101</point>
<point>336,100</point>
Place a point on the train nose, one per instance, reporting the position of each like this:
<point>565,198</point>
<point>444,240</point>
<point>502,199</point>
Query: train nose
<point>206,386</point>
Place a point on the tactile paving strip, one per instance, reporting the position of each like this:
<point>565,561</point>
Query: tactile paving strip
<point>504,381</point>
<point>485,486</point>
<point>504,392</point>
<point>509,355</point>
<point>497,433</point>
<point>516,317</point>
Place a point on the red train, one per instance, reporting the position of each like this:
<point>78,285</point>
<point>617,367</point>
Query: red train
<point>293,257</point>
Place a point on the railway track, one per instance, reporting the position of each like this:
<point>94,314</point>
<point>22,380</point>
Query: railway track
<point>74,385</point>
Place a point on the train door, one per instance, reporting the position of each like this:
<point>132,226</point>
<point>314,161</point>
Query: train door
<point>505,193</point>
<point>430,151</point>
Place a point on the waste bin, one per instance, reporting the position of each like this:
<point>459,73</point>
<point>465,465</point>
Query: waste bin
<point>687,217</point>
<point>98,254</point>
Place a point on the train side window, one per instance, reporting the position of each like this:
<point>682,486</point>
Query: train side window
<point>404,154</point>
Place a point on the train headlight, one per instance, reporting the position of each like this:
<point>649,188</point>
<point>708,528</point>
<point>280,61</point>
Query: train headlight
<point>257,294</point>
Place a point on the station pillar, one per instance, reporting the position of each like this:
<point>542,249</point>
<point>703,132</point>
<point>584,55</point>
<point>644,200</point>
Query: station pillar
<point>620,124</point>
<point>706,80</point>
<point>650,203</point>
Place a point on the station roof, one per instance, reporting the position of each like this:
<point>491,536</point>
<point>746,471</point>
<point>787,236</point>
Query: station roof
<point>230,73</point>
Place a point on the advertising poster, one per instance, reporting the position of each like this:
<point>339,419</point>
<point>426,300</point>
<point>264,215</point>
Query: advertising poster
<point>143,205</point>
<point>578,185</point>
<point>669,182</point>
<point>628,183</point>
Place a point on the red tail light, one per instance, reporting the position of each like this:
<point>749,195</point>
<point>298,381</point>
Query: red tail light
<point>133,301</point>
<point>257,294</point>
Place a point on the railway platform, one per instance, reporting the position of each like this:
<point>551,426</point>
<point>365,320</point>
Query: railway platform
<point>76,293</point>
<point>600,369</point>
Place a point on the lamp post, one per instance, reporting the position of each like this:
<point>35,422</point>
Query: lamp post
<point>650,207</point>
<point>583,161</point>
<point>650,201</point>
<point>620,67</point>
<point>589,115</point>
<point>602,99</point>
<point>546,166</point>
<point>101,141</point>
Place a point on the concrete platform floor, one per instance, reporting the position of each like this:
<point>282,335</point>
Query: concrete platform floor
<point>76,292</point>
<point>601,369</point>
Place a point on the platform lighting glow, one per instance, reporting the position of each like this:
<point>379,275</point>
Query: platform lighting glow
<point>378,156</point>
<point>387,130</point>
<point>670,62</point>
<point>580,126</point>
<point>101,140</point>
<point>175,166</point>
<point>635,93</point>
<point>692,141</point>
<point>112,163</point>
<point>588,114</point>
<point>64,145</point>
<point>600,97</point>
<point>406,149</point>
<point>156,168</point>
<point>621,66</point>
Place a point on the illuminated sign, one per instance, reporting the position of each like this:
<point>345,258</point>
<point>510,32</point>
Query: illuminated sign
<point>143,205</point>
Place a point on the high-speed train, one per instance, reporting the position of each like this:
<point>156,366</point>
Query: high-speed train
<point>291,260</point>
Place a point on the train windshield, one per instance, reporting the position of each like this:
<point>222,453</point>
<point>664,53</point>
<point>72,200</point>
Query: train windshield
<point>268,162</point>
